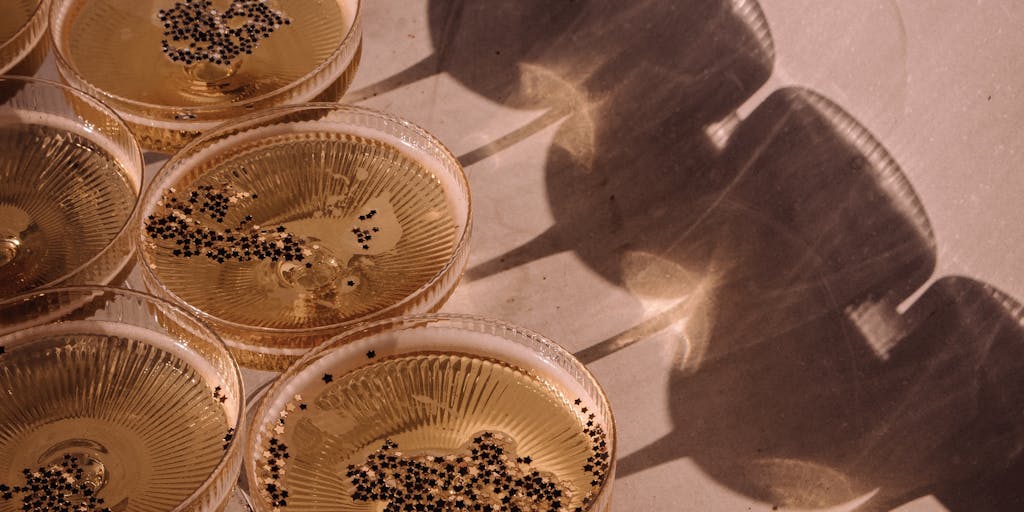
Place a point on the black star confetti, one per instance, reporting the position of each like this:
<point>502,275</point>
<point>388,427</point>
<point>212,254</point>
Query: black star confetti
<point>597,463</point>
<point>59,487</point>
<point>364,236</point>
<point>196,32</point>
<point>219,395</point>
<point>185,220</point>
<point>487,476</point>
<point>228,437</point>
<point>277,454</point>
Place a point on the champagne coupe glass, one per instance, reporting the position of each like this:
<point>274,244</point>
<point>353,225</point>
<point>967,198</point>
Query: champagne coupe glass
<point>433,412</point>
<point>107,409</point>
<point>286,227</point>
<point>176,68</point>
<point>23,44</point>
<point>70,174</point>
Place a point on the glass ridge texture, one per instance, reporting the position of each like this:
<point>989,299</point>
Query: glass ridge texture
<point>290,225</point>
<point>23,44</point>
<point>70,175</point>
<point>106,409</point>
<point>113,50</point>
<point>410,410</point>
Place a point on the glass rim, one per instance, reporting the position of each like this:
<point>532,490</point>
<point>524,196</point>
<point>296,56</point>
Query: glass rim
<point>459,247</point>
<point>280,382</point>
<point>210,335</point>
<point>134,153</point>
<point>32,18</point>
<point>56,14</point>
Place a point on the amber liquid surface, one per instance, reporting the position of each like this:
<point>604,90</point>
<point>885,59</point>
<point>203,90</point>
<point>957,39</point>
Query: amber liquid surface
<point>116,46</point>
<point>435,408</point>
<point>63,199</point>
<point>15,14</point>
<point>144,425</point>
<point>372,226</point>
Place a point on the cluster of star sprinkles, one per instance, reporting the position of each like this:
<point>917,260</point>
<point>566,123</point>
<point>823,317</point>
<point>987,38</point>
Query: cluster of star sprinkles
<point>219,394</point>
<point>60,487</point>
<point>230,436</point>
<point>599,459</point>
<point>276,456</point>
<point>196,32</point>
<point>363,236</point>
<point>183,220</point>
<point>195,223</point>
<point>487,474</point>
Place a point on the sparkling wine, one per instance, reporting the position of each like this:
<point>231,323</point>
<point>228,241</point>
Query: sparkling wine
<point>440,419</point>
<point>65,196</point>
<point>15,16</point>
<point>22,26</point>
<point>296,226</point>
<point>126,53</point>
<point>106,416</point>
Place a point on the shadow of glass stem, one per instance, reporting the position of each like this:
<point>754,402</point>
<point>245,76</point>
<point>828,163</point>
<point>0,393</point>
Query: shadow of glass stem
<point>812,390</point>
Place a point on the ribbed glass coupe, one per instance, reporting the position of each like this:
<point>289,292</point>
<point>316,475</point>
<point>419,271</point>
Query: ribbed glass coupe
<point>175,69</point>
<point>288,226</point>
<point>23,42</point>
<point>70,174</point>
<point>107,409</point>
<point>433,412</point>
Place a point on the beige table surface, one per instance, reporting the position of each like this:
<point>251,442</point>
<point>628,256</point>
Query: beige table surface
<point>657,186</point>
<point>791,308</point>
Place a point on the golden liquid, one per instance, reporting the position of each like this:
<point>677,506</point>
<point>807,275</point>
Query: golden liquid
<point>430,404</point>
<point>115,46</point>
<point>314,186</point>
<point>146,420</point>
<point>15,14</point>
<point>63,199</point>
